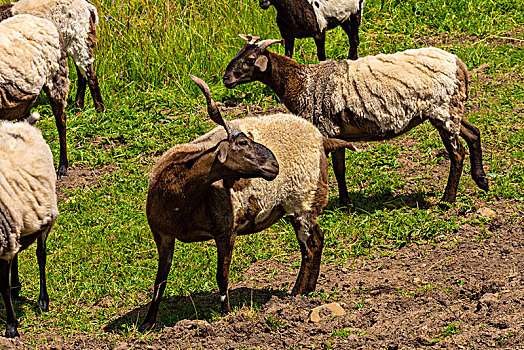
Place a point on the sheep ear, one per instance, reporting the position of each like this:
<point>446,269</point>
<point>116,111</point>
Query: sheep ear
<point>261,63</point>
<point>222,152</point>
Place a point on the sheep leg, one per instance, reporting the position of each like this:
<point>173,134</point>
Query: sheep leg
<point>81,89</point>
<point>289,43</point>
<point>165,255</point>
<point>92,81</point>
<point>311,241</point>
<point>15,279</point>
<point>339,168</point>
<point>471,134</point>
<point>320,42</point>
<point>224,256</point>
<point>41,257</point>
<point>58,100</point>
<point>456,156</point>
<point>351,28</point>
<point>5,288</point>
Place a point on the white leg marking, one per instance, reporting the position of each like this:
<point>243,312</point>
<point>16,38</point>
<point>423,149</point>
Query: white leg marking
<point>222,298</point>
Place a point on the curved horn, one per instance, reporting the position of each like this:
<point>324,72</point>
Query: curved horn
<point>264,44</point>
<point>249,38</point>
<point>212,108</point>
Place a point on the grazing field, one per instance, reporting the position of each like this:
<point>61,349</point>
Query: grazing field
<point>408,273</point>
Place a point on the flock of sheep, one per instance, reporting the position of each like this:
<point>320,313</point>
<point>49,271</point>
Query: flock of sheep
<point>245,174</point>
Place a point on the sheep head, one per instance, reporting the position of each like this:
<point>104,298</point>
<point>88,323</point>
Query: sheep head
<point>238,154</point>
<point>249,61</point>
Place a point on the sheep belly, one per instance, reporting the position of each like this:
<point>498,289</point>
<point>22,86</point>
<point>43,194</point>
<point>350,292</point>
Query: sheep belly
<point>339,9</point>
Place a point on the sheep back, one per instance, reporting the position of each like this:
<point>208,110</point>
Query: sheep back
<point>298,147</point>
<point>27,185</point>
<point>76,21</point>
<point>29,57</point>
<point>383,93</point>
<point>338,9</point>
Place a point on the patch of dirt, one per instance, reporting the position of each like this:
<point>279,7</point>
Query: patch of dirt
<point>81,177</point>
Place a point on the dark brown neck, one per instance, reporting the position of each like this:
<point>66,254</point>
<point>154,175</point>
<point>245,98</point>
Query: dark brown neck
<point>185,185</point>
<point>284,76</point>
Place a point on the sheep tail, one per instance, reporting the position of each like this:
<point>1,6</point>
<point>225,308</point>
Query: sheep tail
<point>331,145</point>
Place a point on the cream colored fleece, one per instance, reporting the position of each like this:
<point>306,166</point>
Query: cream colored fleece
<point>27,183</point>
<point>298,147</point>
<point>384,92</point>
<point>29,52</point>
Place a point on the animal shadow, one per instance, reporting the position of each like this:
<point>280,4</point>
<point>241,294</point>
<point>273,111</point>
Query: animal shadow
<point>201,306</point>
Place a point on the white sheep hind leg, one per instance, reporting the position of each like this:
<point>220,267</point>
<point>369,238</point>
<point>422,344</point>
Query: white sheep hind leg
<point>311,241</point>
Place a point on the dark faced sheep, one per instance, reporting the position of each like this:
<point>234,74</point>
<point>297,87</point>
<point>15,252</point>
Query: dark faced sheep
<point>373,98</point>
<point>225,184</point>
<point>312,18</point>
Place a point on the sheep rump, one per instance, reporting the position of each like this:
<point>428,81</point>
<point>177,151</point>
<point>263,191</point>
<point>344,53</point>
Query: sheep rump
<point>27,185</point>
<point>30,52</point>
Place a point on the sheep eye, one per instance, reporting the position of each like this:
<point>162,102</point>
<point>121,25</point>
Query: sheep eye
<point>242,143</point>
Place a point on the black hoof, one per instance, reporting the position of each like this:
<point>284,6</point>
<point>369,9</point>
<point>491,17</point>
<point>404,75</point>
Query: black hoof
<point>146,326</point>
<point>482,183</point>
<point>100,108</point>
<point>11,331</point>
<point>62,171</point>
<point>44,304</point>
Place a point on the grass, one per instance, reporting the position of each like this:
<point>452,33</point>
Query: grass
<point>102,258</point>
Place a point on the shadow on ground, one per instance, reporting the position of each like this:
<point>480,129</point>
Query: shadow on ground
<point>202,306</point>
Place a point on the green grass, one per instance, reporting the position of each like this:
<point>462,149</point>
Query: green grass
<point>102,258</point>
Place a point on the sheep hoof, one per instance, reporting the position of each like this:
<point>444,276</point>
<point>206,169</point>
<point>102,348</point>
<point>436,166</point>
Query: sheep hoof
<point>44,305</point>
<point>11,331</point>
<point>62,171</point>
<point>482,183</point>
<point>146,326</point>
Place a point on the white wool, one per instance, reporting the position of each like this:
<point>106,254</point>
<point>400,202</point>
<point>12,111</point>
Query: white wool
<point>339,9</point>
<point>385,92</point>
<point>29,52</point>
<point>27,181</point>
<point>72,17</point>
<point>298,148</point>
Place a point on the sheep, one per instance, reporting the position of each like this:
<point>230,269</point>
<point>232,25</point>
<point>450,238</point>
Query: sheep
<point>28,207</point>
<point>371,99</point>
<point>225,184</point>
<point>311,18</point>
<point>76,21</point>
<point>32,57</point>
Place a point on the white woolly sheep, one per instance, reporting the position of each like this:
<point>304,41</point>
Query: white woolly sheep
<point>370,99</point>
<point>217,187</point>
<point>32,57</point>
<point>28,206</point>
<point>76,21</point>
<point>311,19</point>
